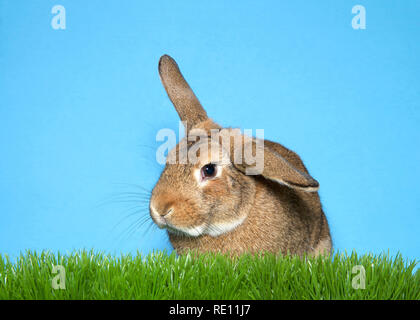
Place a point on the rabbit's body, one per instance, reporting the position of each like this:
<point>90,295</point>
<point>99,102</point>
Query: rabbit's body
<point>228,210</point>
<point>276,218</point>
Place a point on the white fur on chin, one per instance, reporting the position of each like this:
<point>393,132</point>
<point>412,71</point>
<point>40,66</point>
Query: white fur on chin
<point>216,229</point>
<point>190,231</point>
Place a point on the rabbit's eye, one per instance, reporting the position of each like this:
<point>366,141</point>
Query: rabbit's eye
<point>208,171</point>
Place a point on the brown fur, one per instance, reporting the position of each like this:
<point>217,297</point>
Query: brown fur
<point>278,211</point>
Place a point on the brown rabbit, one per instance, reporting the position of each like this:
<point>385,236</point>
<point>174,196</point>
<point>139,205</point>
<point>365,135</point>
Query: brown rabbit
<point>213,205</point>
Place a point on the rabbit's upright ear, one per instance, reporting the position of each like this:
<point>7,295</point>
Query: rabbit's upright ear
<point>183,98</point>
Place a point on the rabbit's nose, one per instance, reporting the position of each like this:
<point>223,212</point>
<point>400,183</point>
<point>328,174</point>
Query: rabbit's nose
<point>159,216</point>
<point>163,212</point>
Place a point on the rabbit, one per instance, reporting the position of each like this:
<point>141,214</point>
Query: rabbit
<point>211,206</point>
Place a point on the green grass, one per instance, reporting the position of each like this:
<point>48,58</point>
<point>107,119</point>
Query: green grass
<point>91,275</point>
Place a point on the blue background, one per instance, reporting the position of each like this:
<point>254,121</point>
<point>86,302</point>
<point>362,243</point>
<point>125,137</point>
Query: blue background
<point>80,109</point>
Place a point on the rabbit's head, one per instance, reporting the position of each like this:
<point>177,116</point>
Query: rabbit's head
<point>208,186</point>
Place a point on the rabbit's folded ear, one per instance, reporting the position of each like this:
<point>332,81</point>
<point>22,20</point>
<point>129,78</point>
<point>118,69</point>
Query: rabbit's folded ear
<point>278,169</point>
<point>183,98</point>
<point>273,166</point>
